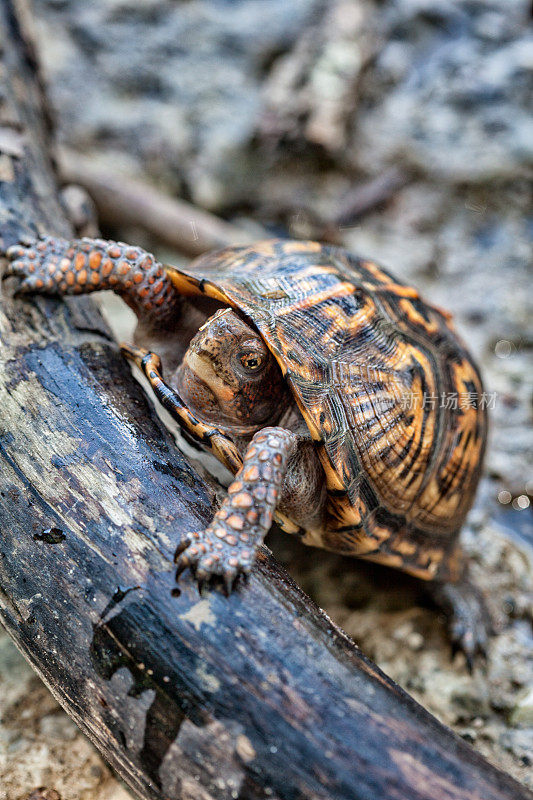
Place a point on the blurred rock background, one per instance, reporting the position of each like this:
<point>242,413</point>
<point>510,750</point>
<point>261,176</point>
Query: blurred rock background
<point>403,130</point>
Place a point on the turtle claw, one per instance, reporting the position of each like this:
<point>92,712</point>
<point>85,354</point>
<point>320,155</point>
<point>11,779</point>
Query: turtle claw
<point>181,567</point>
<point>183,545</point>
<point>463,642</point>
<point>25,263</point>
<point>15,251</point>
<point>211,559</point>
<point>470,624</point>
<point>230,579</point>
<point>471,641</point>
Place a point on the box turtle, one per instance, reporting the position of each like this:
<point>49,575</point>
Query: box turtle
<point>343,403</point>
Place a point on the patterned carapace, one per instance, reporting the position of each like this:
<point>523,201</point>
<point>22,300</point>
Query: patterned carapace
<point>388,395</point>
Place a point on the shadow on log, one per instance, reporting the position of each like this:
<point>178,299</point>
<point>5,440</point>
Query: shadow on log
<point>254,696</point>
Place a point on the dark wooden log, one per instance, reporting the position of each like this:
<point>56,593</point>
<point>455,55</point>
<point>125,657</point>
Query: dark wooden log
<point>187,696</point>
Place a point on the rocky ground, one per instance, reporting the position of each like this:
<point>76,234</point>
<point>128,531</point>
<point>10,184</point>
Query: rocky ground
<point>273,113</point>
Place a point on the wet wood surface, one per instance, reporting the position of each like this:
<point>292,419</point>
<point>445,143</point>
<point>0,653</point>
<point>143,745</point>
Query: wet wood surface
<point>187,696</point>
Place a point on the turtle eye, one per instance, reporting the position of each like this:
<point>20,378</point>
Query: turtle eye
<point>252,361</point>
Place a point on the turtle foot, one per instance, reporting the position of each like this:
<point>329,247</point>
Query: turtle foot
<point>227,547</point>
<point>51,265</point>
<point>215,555</point>
<point>469,621</point>
<point>37,265</point>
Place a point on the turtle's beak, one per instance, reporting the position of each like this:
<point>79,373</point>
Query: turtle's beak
<point>198,370</point>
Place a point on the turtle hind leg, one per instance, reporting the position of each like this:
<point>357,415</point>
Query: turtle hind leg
<point>469,621</point>
<point>60,267</point>
<point>227,547</point>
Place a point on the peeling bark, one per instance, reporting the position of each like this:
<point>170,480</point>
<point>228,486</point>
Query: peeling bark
<point>256,695</point>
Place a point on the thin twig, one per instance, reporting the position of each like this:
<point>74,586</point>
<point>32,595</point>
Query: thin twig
<point>121,200</point>
<point>365,197</point>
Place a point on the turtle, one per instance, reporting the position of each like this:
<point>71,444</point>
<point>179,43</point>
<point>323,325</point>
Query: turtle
<point>344,404</point>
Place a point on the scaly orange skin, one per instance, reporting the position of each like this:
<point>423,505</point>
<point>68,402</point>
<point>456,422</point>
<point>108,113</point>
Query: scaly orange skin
<point>54,266</point>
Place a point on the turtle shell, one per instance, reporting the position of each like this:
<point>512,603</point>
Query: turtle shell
<point>389,393</point>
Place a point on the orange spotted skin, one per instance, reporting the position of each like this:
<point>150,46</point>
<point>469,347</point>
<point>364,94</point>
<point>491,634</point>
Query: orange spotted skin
<point>372,367</point>
<point>55,266</point>
<point>368,361</point>
<point>246,514</point>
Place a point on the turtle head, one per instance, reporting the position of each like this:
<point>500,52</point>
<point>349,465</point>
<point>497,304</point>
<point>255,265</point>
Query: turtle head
<point>229,378</point>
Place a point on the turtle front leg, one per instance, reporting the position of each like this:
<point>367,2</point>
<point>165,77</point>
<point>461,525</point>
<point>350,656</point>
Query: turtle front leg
<point>56,266</point>
<point>227,547</point>
<point>210,437</point>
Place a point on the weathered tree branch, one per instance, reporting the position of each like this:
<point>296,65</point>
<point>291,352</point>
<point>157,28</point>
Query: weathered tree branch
<point>186,696</point>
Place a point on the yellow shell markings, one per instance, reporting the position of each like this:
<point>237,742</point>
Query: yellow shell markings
<point>459,458</point>
<point>411,313</point>
<point>353,387</point>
